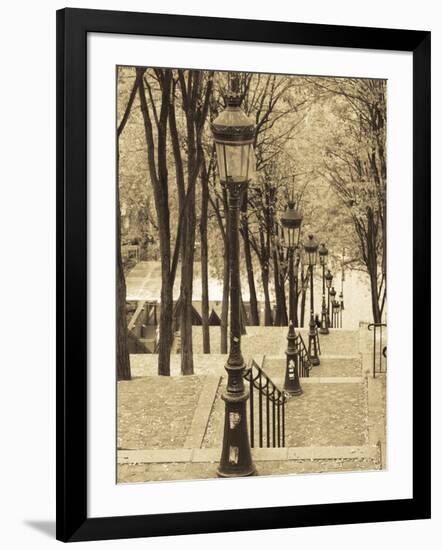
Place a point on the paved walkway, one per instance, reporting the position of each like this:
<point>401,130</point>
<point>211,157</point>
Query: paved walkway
<point>171,427</point>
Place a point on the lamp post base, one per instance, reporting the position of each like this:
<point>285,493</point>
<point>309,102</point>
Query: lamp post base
<point>243,473</point>
<point>293,392</point>
<point>236,456</point>
<point>324,325</point>
<point>292,385</point>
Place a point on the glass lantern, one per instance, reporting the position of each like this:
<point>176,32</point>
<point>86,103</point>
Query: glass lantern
<point>291,220</point>
<point>328,279</point>
<point>234,135</point>
<point>323,253</point>
<point>311,251</point>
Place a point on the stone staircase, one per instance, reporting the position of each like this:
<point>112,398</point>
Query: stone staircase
<point>333,412</point>
<point>337,423</point>
<point>331,366</point>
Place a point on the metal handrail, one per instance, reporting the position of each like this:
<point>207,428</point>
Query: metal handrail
<point>381,352</point>
<point>271,407</point>
<point>305,364</point>
<point>318,345</point>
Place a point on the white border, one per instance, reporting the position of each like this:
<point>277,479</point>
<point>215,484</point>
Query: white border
<point>105,498</point>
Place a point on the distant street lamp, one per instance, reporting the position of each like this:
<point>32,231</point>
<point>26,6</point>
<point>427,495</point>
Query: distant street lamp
<point>323,253</point>
<point>341,306</point>
<point>336,310</point>
<point>332,294</point>
<point>311,251</point>
<point>234,134</point>
<point>328,284</point>
<point>291,220</point>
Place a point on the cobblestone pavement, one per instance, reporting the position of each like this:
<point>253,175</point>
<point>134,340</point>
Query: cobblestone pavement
<point>337,342</point>
<point>337,367</point>
<point>330,367</point>
<point>146,364</point>
<point>377,413</point>
<point>273,341</point>
<point>139,473</point>
<point>258,340</point>
<point>325,414</point>
<point>156,411</point>
<point>214,431</point>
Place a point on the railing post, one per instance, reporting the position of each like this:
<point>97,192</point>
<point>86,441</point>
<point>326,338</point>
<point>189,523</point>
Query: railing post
<point>252,423</point>
<point>377,349</point>
<point>260,408</point>
<point>279,418</point>
<point>268,413</point>
<point>374,352</point>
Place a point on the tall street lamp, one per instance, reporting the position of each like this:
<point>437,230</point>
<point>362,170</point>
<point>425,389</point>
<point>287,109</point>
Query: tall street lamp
<point>328,284</point>
<point>291,220</point>
<point>234,134</point>
<point>311,251</point>
<point>323,253</point>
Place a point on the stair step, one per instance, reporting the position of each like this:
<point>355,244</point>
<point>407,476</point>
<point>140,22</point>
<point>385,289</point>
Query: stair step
<point>346,452</point>
<point>346,366</point>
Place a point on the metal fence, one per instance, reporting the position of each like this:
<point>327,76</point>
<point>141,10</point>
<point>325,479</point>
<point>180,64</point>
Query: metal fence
<point>266,409</point>
<point>379,348</point>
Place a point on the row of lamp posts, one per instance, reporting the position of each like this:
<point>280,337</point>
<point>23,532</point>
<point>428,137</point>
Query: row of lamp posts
<point>234,135</point>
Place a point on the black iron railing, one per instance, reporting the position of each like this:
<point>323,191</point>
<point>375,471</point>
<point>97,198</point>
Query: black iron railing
<point>379,348</point>
<point>318,345</point>
<point>266,409</point>
<point>304,363</point>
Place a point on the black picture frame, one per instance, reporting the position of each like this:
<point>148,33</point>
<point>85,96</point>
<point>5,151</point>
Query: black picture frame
<point>73,25</point>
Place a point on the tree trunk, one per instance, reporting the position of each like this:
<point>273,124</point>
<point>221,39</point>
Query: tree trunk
<point>243,314</point>
<point>372,266</point>
<point>303,294</point>
<point>187,255</point>
<point>123,363</point>
<point>281,307</point>
<point>268,318</point>
<point>204,260</point>
<point>165,328</point>
<point>225,306</point>
<point>254,314</point>
<point>157,165</point>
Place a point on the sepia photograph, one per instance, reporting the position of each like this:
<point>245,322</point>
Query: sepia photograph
<point>251,274</point>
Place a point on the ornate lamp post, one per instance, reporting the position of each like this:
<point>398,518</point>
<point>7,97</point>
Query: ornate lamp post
<point>336,310</point>
<point>291,221</point>
<point>323,253</point>
<point>234,133</point>
<point>311,251</point>
<point>328,283</point>
<point>292,385</point>
<point>341,306</point>
<point>332,296</point>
